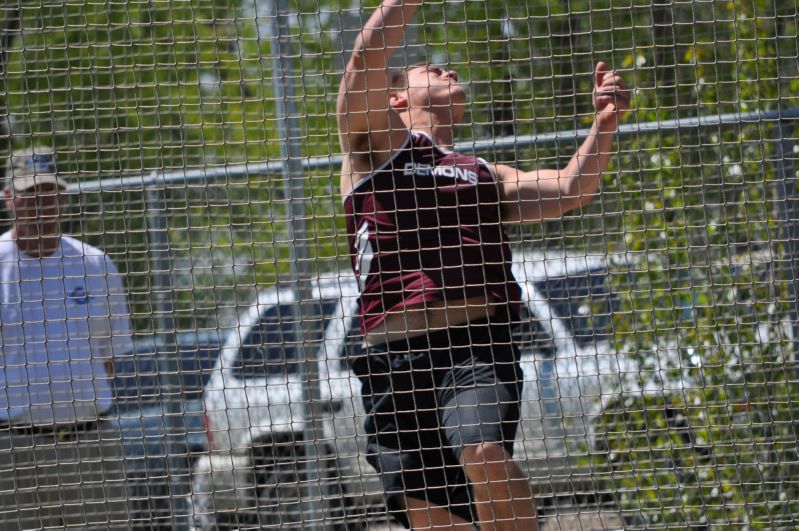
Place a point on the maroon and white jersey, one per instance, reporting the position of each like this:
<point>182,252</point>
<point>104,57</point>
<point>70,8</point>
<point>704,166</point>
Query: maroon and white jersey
<point>427,226</point>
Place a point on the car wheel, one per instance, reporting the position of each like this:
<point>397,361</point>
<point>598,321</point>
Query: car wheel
<point>282,484</point>
<point>223,493</point>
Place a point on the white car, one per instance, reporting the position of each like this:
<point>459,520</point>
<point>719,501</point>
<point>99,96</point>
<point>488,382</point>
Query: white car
<point>255,474</point>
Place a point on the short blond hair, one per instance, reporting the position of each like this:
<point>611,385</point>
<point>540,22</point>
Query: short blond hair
<point>398,79</point>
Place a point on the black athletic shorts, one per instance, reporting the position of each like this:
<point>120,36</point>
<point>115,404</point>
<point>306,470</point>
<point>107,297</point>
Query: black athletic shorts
<point>426,398</point>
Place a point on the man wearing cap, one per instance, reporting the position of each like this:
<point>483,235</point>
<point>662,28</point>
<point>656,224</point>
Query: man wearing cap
<point>63,316</point>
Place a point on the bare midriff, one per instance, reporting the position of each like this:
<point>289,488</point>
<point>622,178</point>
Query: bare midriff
<point>413,321</point>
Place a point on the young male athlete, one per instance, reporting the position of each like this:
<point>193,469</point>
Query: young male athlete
<point>441,377</point>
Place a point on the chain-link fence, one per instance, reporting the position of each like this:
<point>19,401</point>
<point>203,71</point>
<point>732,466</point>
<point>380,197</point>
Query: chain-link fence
<point>657,327</point>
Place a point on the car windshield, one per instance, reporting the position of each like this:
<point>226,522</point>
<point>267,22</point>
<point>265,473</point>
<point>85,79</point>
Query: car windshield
<point>584,301</point>
<point>139,376</point>
<point>272,347</point>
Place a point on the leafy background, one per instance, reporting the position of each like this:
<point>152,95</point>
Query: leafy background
<point>696,224</point>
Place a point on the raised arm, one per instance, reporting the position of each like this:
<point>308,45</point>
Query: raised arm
<point>531,197</point>
<point>369,129</point>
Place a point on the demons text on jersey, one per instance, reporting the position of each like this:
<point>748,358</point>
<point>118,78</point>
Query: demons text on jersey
<point>453,172</point>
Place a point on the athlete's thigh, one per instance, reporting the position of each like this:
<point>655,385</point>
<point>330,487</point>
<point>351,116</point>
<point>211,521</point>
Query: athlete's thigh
<point>423,514</point>
<point>481,414</point>
<point>480,399</point>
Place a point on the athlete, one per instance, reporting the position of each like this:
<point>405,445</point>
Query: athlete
<point>441,376</point>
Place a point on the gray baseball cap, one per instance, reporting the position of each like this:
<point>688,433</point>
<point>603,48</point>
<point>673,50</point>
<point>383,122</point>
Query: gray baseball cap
<point>30,167</point>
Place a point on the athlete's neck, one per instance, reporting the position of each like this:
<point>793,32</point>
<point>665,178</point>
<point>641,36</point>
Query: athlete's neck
<point>435,126</point>
<point>442,136</point>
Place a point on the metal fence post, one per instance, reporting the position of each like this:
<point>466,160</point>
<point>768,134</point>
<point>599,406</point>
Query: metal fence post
<point>787,188</point>
<point>167,352</point>
<point>787,68</point>
<point>306,322</point>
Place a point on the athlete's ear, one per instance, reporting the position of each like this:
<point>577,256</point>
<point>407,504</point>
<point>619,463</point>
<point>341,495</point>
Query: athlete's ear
<point>398,100</point>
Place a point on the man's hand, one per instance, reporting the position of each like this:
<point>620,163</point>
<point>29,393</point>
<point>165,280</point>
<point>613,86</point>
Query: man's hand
<point>611,95</point>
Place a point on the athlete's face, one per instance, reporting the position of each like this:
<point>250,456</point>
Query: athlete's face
<point>433,87</point>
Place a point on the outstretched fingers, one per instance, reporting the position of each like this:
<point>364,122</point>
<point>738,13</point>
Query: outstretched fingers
<point>599,73</point>
<point>610,91</point>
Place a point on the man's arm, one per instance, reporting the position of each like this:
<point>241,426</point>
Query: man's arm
<point>367,125</point>
<point>531,197</point>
